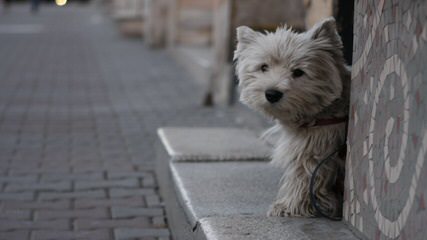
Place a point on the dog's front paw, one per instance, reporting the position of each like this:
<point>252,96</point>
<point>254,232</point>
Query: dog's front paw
<point>279,210</point>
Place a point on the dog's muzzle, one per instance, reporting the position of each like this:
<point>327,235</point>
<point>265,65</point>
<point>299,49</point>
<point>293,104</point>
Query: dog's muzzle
<point>273,95</point>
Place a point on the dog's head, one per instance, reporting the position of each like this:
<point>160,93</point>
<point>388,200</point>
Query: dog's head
<point>289,76</point>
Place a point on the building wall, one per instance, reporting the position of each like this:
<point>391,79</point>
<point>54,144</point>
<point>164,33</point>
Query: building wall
<point>386,176</point>
<point>194,20</point>
<point>270,14</point>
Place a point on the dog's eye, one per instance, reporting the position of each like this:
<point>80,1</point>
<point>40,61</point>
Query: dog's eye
<point>264,68</point>
<point>297,73</point>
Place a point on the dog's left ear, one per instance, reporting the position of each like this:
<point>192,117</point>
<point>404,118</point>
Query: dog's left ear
<point>326,30</point>
<point>245,35</point>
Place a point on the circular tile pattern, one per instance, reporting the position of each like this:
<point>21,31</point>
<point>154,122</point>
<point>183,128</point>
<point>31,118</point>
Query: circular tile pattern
<point>384,195</point>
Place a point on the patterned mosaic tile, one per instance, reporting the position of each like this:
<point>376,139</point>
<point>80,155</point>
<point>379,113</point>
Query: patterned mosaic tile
<point>385,183</point>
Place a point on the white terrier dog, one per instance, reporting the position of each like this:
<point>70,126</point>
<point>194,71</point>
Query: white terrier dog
<point>301,80</point>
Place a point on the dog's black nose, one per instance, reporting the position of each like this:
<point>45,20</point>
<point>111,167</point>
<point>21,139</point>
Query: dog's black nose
<point>273,95</point>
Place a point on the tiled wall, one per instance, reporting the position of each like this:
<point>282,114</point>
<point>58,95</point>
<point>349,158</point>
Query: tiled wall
<point>386,182</point>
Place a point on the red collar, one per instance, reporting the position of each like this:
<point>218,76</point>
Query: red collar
<point>325,122</point>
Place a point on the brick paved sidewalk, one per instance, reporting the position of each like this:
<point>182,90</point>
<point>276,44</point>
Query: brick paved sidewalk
<point>79,106</point>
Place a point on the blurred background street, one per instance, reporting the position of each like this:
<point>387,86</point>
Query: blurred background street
<point>85,84</point>
<point>79,108</point>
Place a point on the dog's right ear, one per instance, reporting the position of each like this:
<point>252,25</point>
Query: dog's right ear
<point>245,36</point>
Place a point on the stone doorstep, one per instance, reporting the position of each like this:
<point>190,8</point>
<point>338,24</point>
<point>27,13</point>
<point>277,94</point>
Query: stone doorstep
<point>271,228</point>
<point>225,199</point>
<point>224,188</point>
<point>229,200</point>
<point>213,144</point>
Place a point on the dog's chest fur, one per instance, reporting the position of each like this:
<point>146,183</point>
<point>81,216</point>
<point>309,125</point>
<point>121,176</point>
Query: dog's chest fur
<point>313,143</point>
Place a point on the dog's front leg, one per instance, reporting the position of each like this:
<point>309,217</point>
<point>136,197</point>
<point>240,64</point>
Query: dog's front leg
<point>293,198</point>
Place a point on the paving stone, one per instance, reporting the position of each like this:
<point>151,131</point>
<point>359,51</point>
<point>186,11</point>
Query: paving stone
<point>119,192</point>
<point>129,202</point>
<point>17,196</point>
<point>60,204</point>
<point>93,184</point>
<point>71,195</point>
<point>15,214</point>
<point>153,201</point>
<point>6,225</point>
<point>139,174</point>
<point>99,234</point>
<point>139,222</point>
<point>131,233</point>
<point>29,169</point>
<point>148,238</point>
<point>126,212</point>
<point>90,167</point>
<point>159,222</point>
<point>14,179</point>
<point>96,213</point>
<point>18,235</point>
<point>149,181</point>
<point>54,186</point>
<point>74,176</point>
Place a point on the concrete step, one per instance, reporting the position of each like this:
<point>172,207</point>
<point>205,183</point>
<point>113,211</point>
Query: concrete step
<point>212,144</point>
<point>221,189</point>
<point>213,193</point>
<point>271,228</point>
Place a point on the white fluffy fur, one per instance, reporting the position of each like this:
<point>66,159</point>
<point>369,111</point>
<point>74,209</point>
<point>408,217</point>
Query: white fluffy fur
<point>320,93</point>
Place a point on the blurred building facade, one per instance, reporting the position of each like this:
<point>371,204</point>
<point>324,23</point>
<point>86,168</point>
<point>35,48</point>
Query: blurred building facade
<point>200,34</point>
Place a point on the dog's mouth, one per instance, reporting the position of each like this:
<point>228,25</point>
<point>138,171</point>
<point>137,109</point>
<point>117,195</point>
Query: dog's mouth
<point>275,110</point>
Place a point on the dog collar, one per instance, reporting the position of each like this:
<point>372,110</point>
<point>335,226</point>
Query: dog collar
<point>325,122</point>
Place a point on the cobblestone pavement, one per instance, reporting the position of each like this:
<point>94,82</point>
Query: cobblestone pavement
<point>79,108</point>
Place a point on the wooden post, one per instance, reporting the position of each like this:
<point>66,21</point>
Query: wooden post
<point>129,14</point>
<point>155,15</point>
